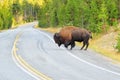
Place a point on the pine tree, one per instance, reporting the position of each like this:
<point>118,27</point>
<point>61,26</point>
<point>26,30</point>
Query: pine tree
<point>44,14</point>
<point>103,17</point>
<point>93,16</point>
<point>112,8</point>
<point>5,15</point>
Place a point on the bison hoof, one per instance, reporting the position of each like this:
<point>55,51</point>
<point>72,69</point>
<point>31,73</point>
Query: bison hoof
<point>81,49</point>
<point>70,48</point>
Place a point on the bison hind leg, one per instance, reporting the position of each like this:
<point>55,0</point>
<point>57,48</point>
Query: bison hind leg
<point>87,44</point>
<point>83,45</point>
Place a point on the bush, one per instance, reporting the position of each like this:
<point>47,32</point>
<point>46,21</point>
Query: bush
<point>118,43</point>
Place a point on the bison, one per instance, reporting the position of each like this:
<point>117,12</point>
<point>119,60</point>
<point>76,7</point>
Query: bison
<point>69,35</point>
<point>64,36</point>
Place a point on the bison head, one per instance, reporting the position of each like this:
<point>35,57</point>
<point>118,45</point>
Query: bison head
<point>57,39</point>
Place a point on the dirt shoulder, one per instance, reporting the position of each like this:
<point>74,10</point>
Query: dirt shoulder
<point>105,45</point>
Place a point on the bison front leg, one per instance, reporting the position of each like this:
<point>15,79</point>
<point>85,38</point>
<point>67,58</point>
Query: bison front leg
<point>72,44</point>
<point>66,44</point>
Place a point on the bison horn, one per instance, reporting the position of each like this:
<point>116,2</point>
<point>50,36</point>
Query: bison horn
<point>57,35</point>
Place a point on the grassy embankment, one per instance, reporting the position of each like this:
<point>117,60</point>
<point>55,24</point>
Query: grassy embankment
<point>103,43</point>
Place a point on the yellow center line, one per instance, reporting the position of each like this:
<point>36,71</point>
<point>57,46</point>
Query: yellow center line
<point>24,64</point>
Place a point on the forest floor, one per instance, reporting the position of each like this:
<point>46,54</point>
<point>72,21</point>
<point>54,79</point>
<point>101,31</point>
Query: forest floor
<point>103,43</point>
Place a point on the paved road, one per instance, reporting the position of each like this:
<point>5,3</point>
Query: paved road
<point>27,53</point>
<point>8,68</point>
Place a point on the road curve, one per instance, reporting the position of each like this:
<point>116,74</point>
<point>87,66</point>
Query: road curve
<point>34,55</point>
<point>8,68</point>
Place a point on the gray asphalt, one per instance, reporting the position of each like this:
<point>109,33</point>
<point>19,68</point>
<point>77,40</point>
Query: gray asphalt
<point>38,49</point>
<point>8,68</point>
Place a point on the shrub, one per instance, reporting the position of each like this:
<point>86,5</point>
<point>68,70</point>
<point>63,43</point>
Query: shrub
<point>118,43</point>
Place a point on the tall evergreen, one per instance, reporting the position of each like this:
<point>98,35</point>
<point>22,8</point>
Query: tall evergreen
<point>44,14</point>
<point>103,17</point>
<point>95,15</point>
<point>5,15</point>
<point>112,8</point>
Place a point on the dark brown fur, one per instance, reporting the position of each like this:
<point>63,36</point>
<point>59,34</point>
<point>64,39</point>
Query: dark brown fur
<point>69,35</point>
<point>81,35</point>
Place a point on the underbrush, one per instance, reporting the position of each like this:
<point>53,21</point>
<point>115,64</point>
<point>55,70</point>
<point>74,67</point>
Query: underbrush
<point>118,44</point>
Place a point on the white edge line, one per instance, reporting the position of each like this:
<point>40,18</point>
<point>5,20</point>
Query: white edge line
<point>32,75</point>
<point>98,67</point>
